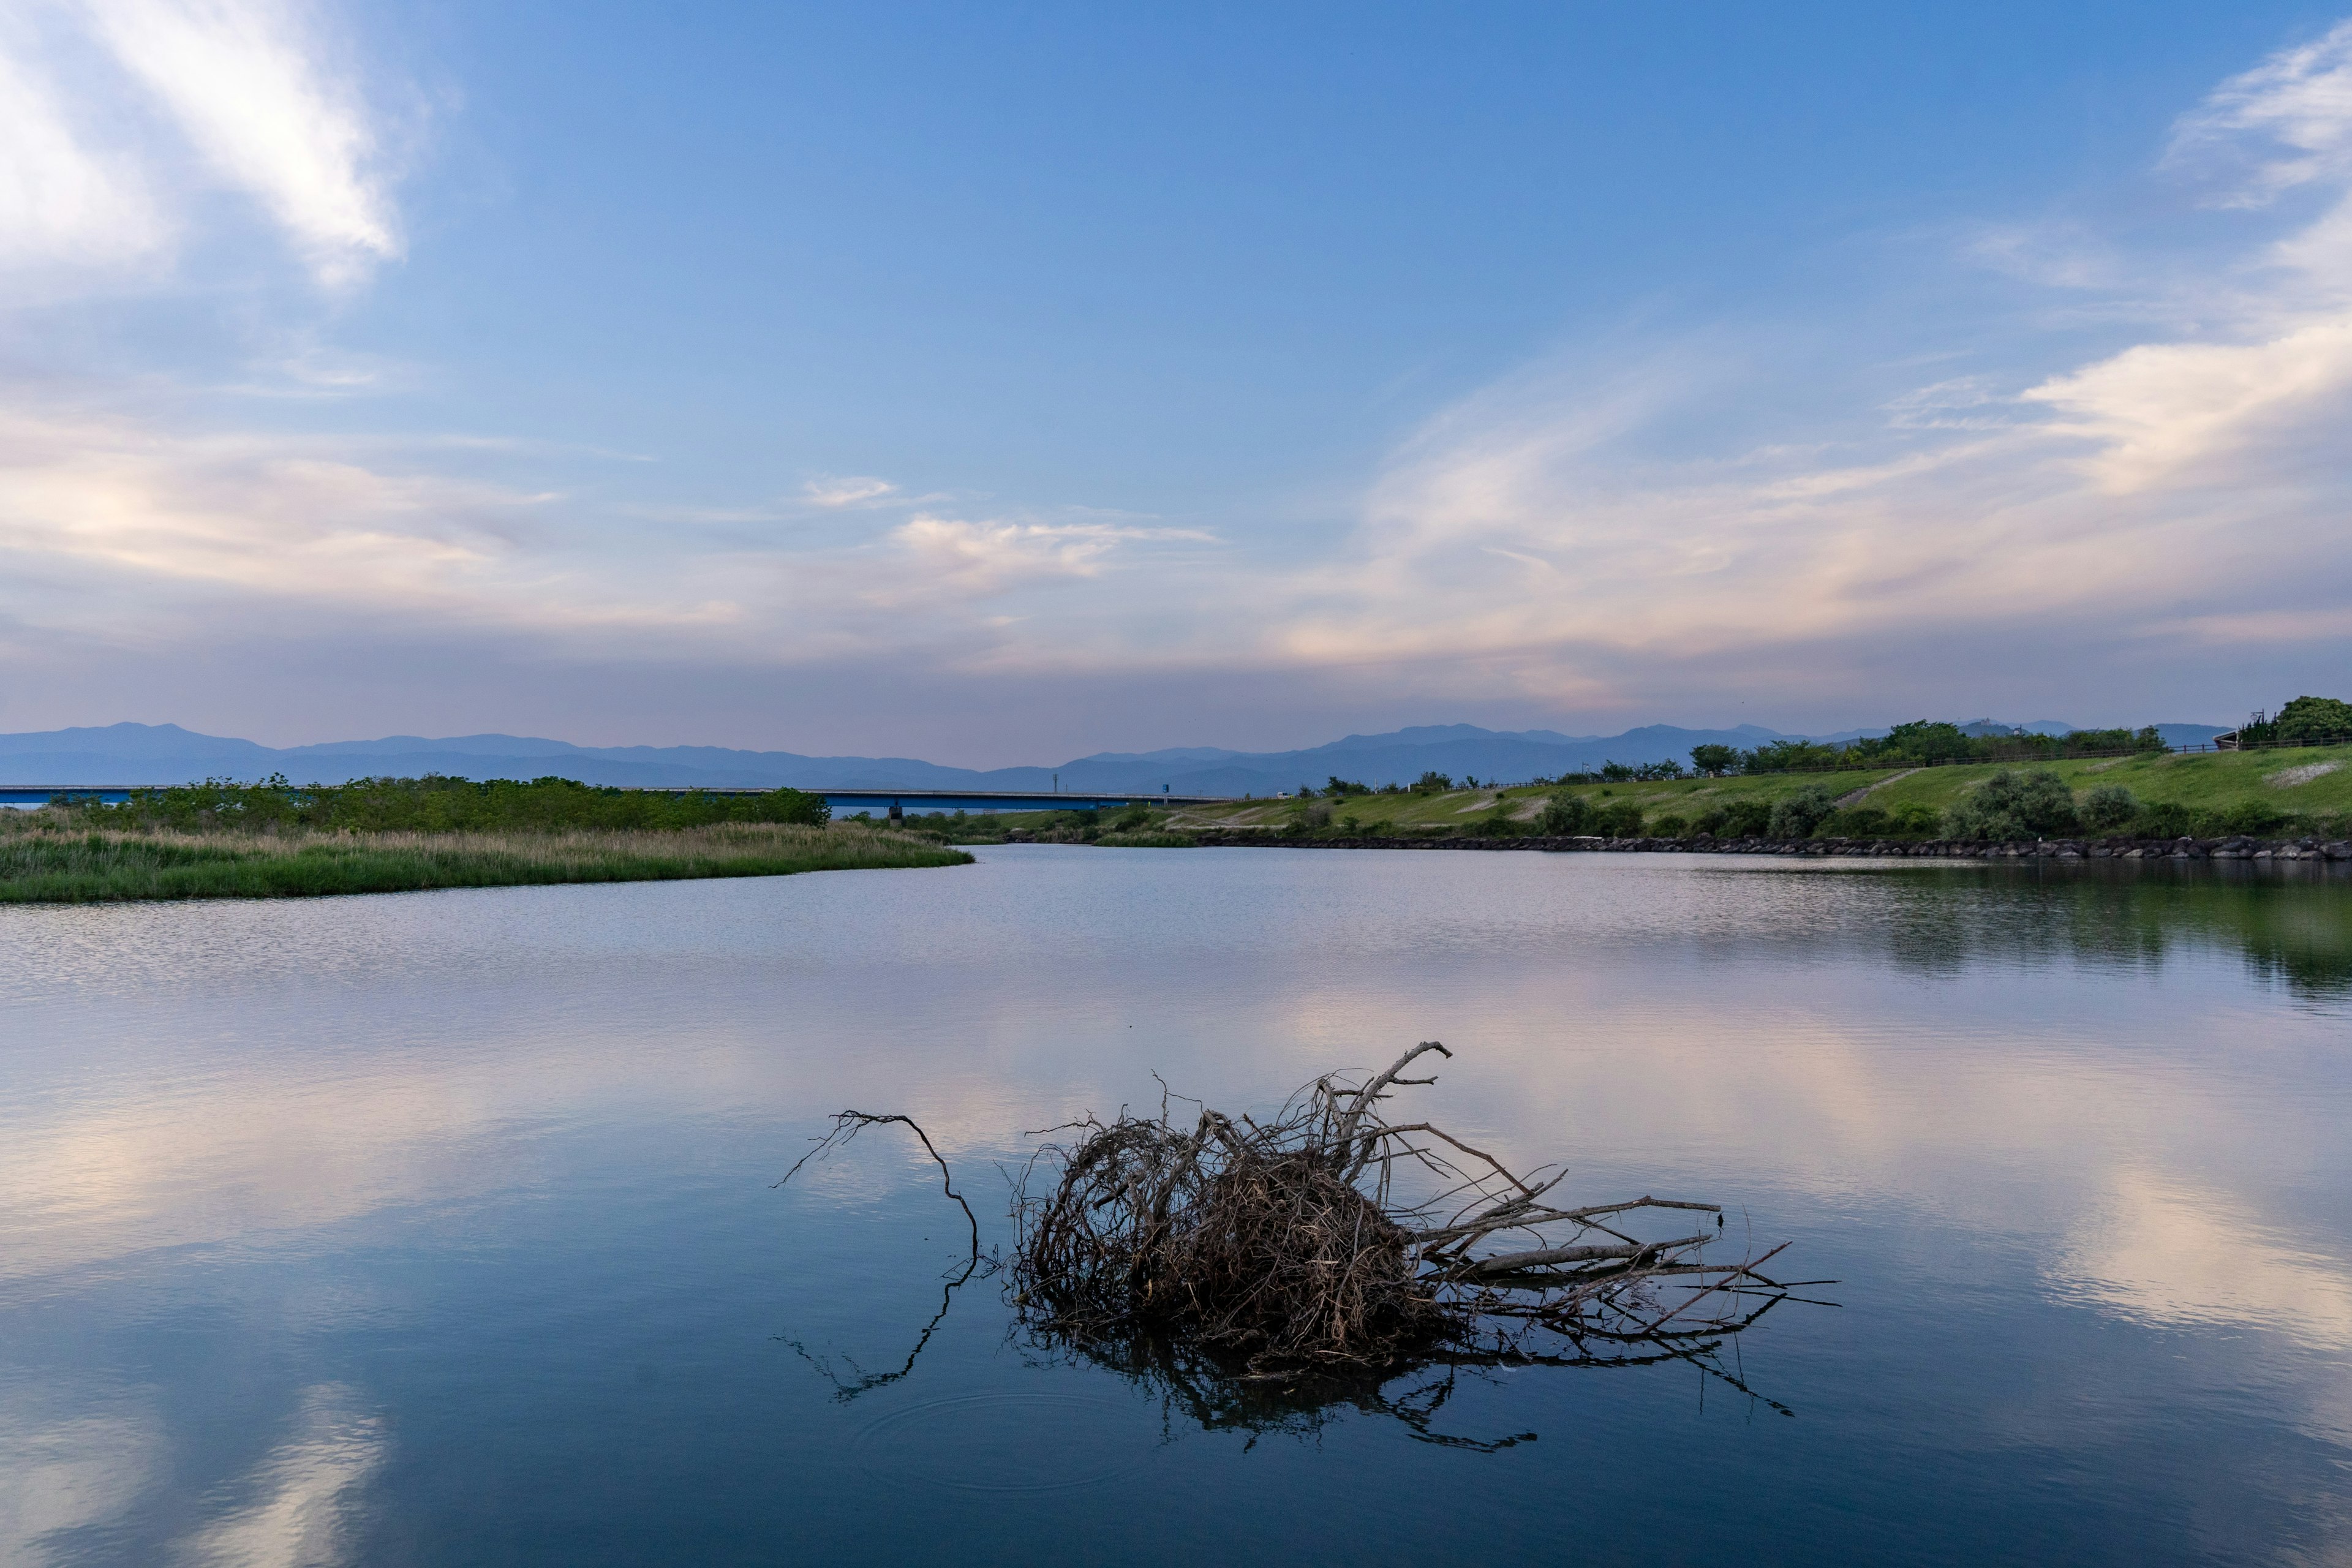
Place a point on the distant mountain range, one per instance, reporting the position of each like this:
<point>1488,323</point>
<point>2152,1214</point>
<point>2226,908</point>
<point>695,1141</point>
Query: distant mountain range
<point>165,754</point>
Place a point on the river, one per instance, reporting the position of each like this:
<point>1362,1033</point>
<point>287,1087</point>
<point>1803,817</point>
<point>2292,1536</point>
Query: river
<point>439,1229</point>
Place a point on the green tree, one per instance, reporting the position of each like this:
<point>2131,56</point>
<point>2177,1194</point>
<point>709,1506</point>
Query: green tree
<point>2314,719</point>
<point>2108,807</point>
<point>1621,820</point>
<point>1566,815</point>
<point>2014,806</point>
<point>1801,814</point>
<point>1714,760</point>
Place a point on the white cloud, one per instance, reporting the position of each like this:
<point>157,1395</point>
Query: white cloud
<point>62,202</point>
<point>982,558</point>
<point>2158,408</point>
<point>246,81</point>
<point>2298,101</point>
<point>849,490</point>
<point>117,118</point>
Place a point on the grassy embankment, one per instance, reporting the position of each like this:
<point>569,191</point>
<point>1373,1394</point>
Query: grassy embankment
<point>2282,792</point>
<point>51,858</point>
<point>2308,788</point>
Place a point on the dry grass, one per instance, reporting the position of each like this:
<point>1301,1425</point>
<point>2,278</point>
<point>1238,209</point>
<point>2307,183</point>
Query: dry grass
<point>52,861</point>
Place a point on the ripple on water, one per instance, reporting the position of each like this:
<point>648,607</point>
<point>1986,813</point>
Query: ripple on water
<point>1010,1443</point>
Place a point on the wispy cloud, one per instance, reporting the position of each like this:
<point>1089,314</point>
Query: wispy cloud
<point>2286,123</point>
<point>1536,523</point>
<point>835,490</point>
<point>977,559</point>
<point>117,115</point>
<point>63,203</point>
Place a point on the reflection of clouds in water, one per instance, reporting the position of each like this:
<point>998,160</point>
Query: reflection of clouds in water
<point>68,1474</point>
<point>302,1497</point>
<point>241,1154</point>
<point>2175,1256</point>
<point>2171,1254</point>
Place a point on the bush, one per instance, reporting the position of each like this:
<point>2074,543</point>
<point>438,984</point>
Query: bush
<point>1669,826</point>
<point>1738,819</point>
<point>2252,818</point>
<point>2164,820</point>
<point>1431,783</point>
<point>1565,816</point>
<point>1858,822</point>
<point>2014,806</point>
<point>1621,820</point>
<point>1914,821</point>
<point>1801,814</point>
<point>2108,807</point>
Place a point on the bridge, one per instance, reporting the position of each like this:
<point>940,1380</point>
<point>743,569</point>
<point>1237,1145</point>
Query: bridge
<point>845,801</point>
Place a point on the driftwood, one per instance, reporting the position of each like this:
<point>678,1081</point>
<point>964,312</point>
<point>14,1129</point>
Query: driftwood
<point>1327,1236</point>
<point>1262,1273</point>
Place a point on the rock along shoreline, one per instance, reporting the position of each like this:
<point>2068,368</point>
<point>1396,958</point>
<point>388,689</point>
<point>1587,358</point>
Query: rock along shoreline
<point>2235,848</point>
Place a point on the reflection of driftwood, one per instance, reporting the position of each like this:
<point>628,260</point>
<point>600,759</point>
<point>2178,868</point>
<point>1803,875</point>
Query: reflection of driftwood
<point>849,1388</point>
<point>847,1125</point>
<point>1290,1244</point>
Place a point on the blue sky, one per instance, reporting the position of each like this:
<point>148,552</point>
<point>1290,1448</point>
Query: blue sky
<point>997,383</point>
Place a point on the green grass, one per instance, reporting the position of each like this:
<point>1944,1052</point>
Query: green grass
<point>2205,782</point>
<point>41,864</point>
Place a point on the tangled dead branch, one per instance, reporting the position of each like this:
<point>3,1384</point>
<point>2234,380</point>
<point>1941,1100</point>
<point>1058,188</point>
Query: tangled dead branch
<point>1328,1237</point>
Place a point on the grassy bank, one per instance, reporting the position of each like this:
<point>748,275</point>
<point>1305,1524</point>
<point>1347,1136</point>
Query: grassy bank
<point>60,861</point>
<point>2284,793</point>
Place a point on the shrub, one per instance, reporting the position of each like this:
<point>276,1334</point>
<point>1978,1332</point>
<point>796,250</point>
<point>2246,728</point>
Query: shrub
<point>1914,821</point>
<point>2163,819</point>
<point>1621,820</point>
<point>2108,807</point>
<point>1737,819</point>
<point>2011,805</point>
<point>1565,816</point>
<point>1857,822</point>
<point>1801,814</point>
<point>1617,773</point>
<point>2253,817</point>
<point>1669,826</point>
<point>1431,783</point>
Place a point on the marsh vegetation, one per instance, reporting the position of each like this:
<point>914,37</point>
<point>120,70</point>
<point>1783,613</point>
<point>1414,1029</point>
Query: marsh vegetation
<point>59,860</point>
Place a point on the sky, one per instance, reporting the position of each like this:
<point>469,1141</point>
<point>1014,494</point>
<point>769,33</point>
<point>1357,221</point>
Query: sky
<point>999,384</point>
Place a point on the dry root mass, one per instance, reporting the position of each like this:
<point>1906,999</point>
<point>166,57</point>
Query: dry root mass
<point>1329,1237</point>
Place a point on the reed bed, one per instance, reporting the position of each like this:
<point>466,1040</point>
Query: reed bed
<point>48,862</point>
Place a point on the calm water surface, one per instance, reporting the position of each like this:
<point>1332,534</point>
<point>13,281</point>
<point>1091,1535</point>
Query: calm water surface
<point>438,1228</point>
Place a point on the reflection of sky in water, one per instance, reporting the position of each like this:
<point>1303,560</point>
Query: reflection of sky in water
<point>437,1227</point>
